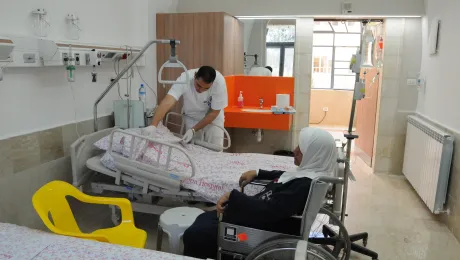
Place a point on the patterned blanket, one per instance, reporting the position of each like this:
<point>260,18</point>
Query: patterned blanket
<point>216,173</point>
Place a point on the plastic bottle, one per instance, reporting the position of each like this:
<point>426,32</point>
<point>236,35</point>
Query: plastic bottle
<point>241,100</point>
<point>142,93</point>
<point>381,43</point>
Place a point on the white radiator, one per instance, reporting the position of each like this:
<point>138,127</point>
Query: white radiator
<point>427,161</point>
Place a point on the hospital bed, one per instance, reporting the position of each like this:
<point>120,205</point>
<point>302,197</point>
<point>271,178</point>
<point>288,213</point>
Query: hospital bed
<point>22,243</point>
<point>145,184</point>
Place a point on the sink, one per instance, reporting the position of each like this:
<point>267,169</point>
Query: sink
<point>257,110</point>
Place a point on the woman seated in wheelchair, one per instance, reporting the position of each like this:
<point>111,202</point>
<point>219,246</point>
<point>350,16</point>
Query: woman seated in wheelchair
<point>273,207</point>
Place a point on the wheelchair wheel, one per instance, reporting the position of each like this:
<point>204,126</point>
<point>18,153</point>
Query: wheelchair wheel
<point>328,232</point>
<point>284,249</point>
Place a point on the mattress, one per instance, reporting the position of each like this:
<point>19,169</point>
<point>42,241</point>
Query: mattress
<point>216,172</point>
<point>21,243</point>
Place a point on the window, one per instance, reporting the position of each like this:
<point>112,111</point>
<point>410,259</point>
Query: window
<point>334,43</point>
<point>280,49</point>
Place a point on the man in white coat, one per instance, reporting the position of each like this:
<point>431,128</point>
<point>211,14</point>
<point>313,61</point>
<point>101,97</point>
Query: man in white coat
<point>205,97</point>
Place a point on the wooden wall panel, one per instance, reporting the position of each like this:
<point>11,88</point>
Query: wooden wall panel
<point>366,110</point>
<point>161,52</point>
<point>208,38</point>
<point>238,32</point>
<point>233,46</point>
<point>179,27</point>
<point>229,46</point>
<point>213,39</point>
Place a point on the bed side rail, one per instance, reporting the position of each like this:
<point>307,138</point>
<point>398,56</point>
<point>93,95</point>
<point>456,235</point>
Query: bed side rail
<point>158,168</point>
<point>80,151</point>
<point>170,122</point>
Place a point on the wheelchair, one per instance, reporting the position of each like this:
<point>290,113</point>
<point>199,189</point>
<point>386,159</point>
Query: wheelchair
<point>326,240</point>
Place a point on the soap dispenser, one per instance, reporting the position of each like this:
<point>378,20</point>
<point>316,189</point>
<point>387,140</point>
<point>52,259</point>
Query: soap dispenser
<point>241,100</point>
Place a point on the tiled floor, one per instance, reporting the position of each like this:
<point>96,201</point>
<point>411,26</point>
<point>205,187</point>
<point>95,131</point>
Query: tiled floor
<point>399,224</point>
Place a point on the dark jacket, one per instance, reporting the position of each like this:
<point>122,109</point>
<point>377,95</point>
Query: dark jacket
<point>273,207</point>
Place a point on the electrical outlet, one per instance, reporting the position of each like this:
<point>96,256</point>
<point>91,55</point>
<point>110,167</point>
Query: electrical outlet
<point>412,82</point>
<point>325,109</point>
<point>77,58</point>
<point>65,58</point>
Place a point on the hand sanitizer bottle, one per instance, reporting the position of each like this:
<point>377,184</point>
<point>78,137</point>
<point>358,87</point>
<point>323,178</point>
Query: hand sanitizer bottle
<point>241,100</point>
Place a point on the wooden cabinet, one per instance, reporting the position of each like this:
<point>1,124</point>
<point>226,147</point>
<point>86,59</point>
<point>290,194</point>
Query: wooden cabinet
<point>213,39</point>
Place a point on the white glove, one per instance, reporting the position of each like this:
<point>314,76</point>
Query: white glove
<point>149,131</point>
<point>188,136</point>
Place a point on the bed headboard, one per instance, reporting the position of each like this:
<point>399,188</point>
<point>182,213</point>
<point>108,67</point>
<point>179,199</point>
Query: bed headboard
<point>82,150</point>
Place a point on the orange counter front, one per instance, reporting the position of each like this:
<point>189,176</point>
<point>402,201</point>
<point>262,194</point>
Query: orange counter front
<point>253,89</point>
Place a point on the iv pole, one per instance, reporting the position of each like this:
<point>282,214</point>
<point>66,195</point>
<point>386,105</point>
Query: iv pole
<point>350,136</point>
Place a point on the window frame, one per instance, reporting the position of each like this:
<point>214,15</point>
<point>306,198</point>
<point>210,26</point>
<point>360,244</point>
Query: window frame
<point>334,46</point>
<point>282,46</point>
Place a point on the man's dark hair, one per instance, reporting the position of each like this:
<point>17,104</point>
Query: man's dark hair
<point>269,68</point>
<point>206,74</point>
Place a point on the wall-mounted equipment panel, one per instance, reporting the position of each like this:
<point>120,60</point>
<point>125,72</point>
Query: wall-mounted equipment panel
<point>6,47</point>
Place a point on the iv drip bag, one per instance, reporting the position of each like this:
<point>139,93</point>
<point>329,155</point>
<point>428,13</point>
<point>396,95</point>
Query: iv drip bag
<point>368,49</point>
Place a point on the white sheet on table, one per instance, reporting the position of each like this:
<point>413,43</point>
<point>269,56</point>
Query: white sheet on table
<point>23,243</point>
<point>216,173</point>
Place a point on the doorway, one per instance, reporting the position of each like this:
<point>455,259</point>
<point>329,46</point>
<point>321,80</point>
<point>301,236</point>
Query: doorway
<point>333,83</point>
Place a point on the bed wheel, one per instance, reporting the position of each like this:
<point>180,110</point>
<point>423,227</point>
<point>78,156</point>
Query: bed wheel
<point>116,215</point>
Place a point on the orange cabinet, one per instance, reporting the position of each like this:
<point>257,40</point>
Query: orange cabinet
<point>252,115</point>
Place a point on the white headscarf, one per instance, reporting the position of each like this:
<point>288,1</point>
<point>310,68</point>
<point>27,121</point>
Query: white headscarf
<point>319,155</point>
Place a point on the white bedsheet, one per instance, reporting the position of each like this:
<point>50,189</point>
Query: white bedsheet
<point>21,243</point>
<point>216,173</point>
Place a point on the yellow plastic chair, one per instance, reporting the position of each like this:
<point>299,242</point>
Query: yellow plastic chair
<point>51,199</point>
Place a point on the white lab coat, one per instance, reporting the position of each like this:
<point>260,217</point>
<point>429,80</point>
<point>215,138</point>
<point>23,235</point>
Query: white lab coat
<point>197,105</point>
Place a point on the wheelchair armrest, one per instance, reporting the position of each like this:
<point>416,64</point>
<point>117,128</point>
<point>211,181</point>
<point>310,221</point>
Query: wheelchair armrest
<point>328,179</point>
<point>260,182</point>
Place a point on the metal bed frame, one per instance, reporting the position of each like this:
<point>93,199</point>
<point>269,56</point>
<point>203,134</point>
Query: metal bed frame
<point>142,183</point>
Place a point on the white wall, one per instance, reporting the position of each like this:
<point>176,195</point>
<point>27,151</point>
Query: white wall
<point>303,60</point>
<point>440,100</point>
<point>302,7</point>
<point>402,58</point>
<point>36,99</point>
<point>248,25</point>
<point>257,42</point>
